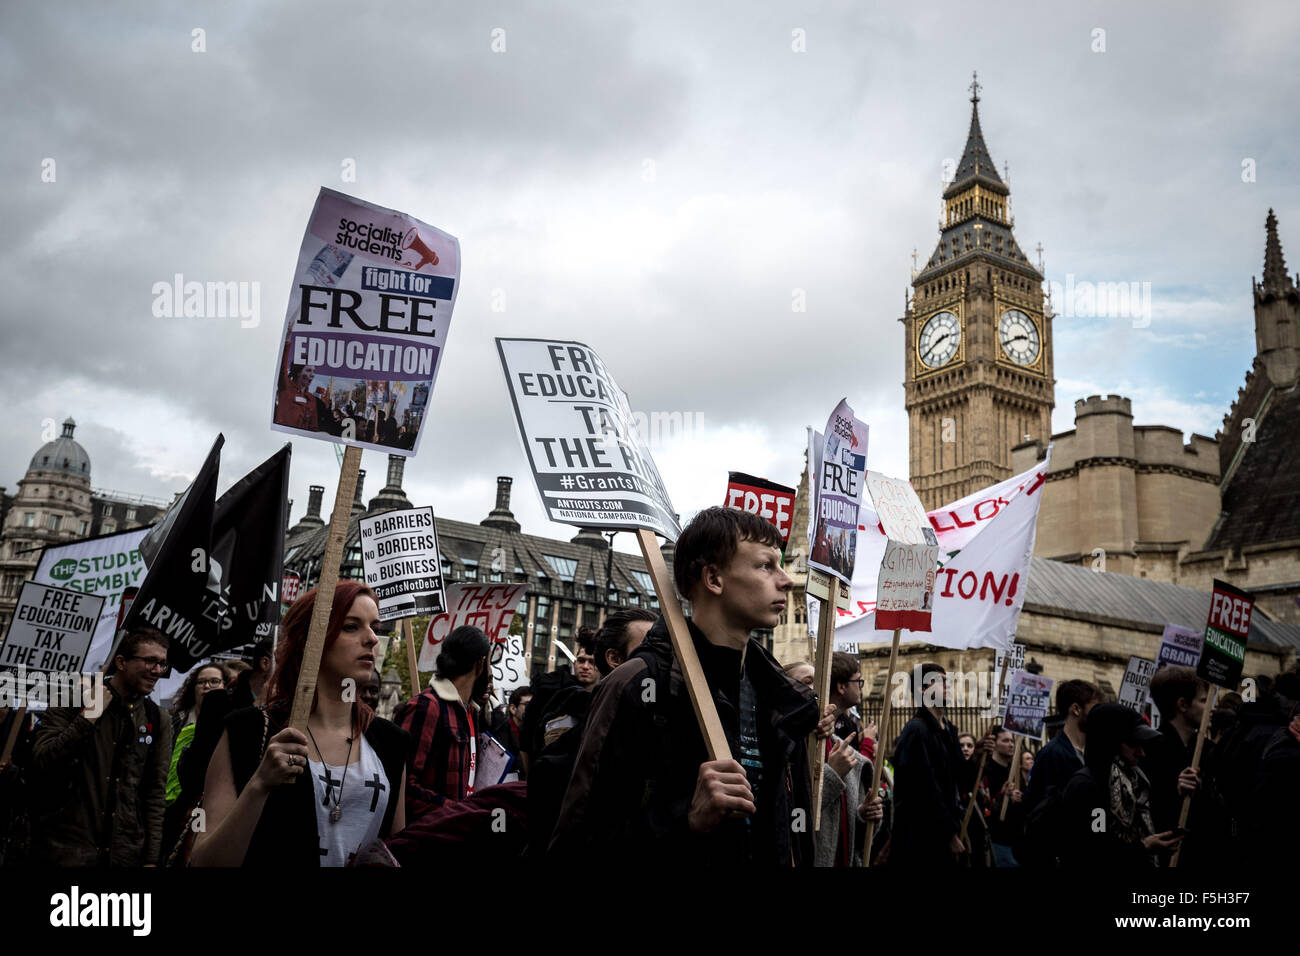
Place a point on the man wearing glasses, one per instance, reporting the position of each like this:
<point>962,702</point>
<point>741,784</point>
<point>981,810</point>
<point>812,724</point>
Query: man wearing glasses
<point>102,768</point>
<point>845,801</point>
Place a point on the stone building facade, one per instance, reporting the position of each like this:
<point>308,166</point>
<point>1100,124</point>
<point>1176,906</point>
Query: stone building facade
<point>55,504</point>
<point>1227,507</point>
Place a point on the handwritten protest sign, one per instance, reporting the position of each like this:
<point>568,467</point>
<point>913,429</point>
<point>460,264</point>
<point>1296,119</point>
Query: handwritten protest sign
<point>905,585</point>
<point>366,326</point>
<point>399,553</point>
<point>764,498</point>
<point>1028,701</point>
<point>489,607</point>
<point>1137,680</point>
<point>51,629</point>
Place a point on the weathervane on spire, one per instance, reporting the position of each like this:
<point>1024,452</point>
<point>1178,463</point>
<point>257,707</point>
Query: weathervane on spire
<point>974,87</point>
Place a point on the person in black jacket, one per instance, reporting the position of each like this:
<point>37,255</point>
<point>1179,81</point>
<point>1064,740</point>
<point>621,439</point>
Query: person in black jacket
<point>278,797</point>
<point>643,786</point>
<point>928,770</point>
<point>1107,804</point>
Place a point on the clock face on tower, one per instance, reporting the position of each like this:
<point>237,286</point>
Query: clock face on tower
<point>1019,337</point>
<point>939,339</point>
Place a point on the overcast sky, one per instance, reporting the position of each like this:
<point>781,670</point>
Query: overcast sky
<point>653,179</point>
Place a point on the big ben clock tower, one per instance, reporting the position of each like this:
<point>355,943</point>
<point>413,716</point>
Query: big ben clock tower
<point>978,339</point>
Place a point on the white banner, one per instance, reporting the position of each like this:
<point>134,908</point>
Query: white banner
<point>985,543</point>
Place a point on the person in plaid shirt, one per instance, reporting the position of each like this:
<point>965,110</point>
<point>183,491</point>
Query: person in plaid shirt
<point>444,724</point>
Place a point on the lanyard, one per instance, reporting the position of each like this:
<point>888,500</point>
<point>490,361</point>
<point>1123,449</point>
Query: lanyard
<point>473,753</point>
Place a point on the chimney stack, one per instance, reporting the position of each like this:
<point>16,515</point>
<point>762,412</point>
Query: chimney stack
<point>314,495</point>
<point>501,517</point>
<point>356,499</point>
<point>391,497</point>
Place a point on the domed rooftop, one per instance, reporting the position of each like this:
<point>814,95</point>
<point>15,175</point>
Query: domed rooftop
<point>63,454</point>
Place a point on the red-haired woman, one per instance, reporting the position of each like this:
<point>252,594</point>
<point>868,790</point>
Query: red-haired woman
<point>278,797</point>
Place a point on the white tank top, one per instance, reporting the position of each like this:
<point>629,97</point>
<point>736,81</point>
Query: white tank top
<point>362,799</point>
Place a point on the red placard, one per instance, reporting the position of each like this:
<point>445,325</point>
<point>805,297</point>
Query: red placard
<point>764,498</point>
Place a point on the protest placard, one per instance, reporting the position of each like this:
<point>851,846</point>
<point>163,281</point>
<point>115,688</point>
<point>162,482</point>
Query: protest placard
<point>1223,654</point>
<point>490,608</point>
<point>366,326</point>
<point>588,459</point>
<point>1179,646</point>
<point>764,498</point>
<point>290,586</point>
<point>1028,701</point>
<point>106,566</point>
<point>1137,681</point>
<point>401,562</point>
<point>51,629</point>
<point>592,469</point>
<point>1005,666</point>
<point>905,582</point>
<point>840,479</point>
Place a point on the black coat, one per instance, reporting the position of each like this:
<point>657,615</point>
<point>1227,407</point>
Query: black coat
<point>928,770</point>
<point>641,752</point>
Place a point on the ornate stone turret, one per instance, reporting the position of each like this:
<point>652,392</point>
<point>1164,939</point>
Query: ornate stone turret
<point>1277,313</point>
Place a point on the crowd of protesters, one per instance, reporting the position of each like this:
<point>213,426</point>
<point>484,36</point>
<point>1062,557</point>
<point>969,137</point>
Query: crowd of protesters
<point>610,762</point>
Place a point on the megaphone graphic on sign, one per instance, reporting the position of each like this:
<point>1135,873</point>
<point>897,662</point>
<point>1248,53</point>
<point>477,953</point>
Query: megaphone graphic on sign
<point>413,242</point>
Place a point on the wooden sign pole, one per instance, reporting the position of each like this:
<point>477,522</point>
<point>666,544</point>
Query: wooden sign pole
<point>984,755</point>
<point>411,658</point>
<point>555,636</point>
<point>528,631</point>
<point>12,737</point>
<point>878,756</point>
<point>715,740</point>
<point>1013,778</point>
<point>1196,765</point>
<point>304,694</point>
<point>822,688</point>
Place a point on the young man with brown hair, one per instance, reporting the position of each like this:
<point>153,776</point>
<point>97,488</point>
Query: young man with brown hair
<point>104,766</point>
<point>1182,698</point>
<point>643,786</point>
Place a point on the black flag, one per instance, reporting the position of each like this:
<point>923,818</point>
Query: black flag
<point>178,551</point>
<point>248,548</point>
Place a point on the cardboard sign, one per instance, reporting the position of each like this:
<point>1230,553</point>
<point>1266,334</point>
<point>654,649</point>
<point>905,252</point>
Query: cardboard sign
<point>905,585</point>
<point>1179,646</point>
<point>106,566</point>
<point>588,459</point>
<point>51,629</point>
<point>1028,702</point>
<point>764,498</point>
<point>841,471</point>
<point>366,326</point>
<point>1137,681</point>
<point>489,607</point>
<point>1224,653</point>
<point>399,553</point>
<point>290,585</point>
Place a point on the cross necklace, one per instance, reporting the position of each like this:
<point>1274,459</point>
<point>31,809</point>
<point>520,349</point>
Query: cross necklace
<point>336,812</point>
